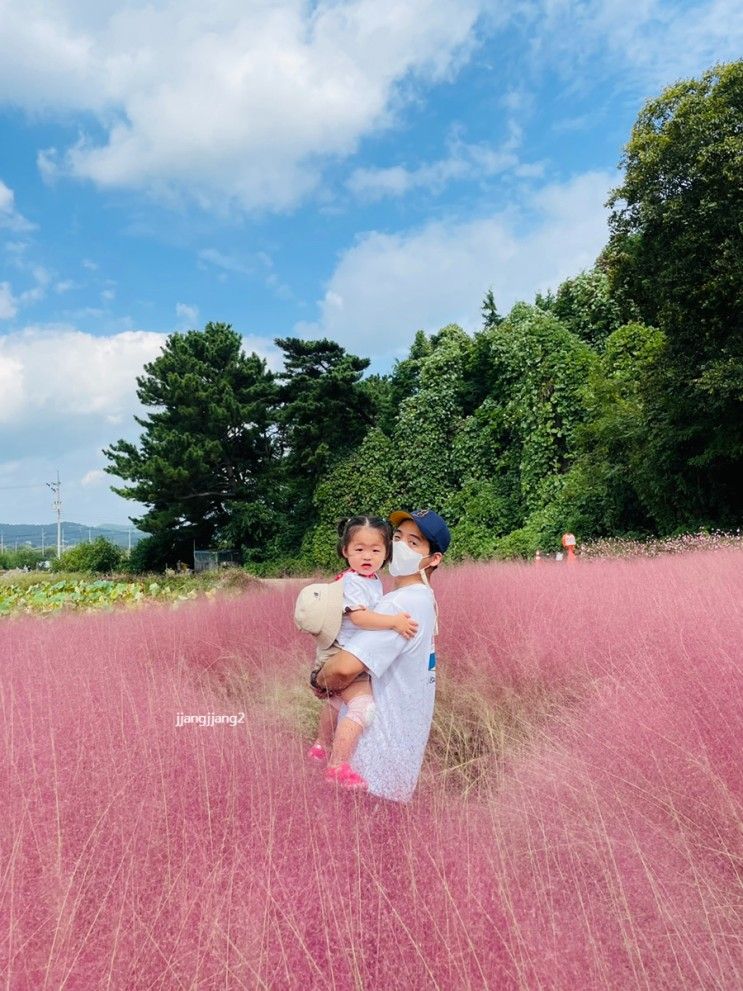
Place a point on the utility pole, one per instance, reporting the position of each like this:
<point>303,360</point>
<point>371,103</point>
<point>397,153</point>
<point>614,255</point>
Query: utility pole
<point>57,505</point>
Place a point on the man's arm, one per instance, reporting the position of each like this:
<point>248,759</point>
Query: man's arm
<point>339,671</point>
<point>401,622</point>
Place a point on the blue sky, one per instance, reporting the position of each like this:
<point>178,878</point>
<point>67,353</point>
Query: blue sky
<point>356,169</point>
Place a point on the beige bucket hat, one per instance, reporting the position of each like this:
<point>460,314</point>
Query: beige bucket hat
<point>319,611</point>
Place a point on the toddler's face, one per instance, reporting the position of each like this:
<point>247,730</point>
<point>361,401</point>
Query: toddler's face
<point>365,552</point>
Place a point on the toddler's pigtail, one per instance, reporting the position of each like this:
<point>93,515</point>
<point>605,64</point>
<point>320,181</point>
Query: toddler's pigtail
<point>342,537</point>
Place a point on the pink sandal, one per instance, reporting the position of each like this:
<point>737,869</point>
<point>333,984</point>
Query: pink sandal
<point>317,753</point>
<point>345,776</point>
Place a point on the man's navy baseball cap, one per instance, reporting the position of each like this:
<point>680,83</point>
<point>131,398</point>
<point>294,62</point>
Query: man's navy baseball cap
<point>430,525</point>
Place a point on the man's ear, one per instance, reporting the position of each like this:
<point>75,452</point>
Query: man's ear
<point>436,559</point>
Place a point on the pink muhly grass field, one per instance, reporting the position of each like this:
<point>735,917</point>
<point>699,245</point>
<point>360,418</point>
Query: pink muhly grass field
<point>577,825</point>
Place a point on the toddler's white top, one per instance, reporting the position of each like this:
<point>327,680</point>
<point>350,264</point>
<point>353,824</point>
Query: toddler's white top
<point>358,590</point>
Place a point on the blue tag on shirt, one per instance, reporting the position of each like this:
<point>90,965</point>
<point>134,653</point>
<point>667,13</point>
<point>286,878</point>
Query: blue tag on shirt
<point>432,660</point>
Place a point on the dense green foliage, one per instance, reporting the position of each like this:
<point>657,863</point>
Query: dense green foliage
<point>23,557</point>
<point>610,407</point>
<point>206,449</point>
<point>675,256</point>
<point>99,556</point>
<point>323,413</point>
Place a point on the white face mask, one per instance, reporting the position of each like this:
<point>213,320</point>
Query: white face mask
<point>405,561</point>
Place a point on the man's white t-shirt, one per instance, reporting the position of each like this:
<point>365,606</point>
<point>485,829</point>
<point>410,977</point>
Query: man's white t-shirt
<point>390,752</point>
<point>358,590</point>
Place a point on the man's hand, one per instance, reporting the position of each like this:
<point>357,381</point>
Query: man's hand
<point>405,625</point>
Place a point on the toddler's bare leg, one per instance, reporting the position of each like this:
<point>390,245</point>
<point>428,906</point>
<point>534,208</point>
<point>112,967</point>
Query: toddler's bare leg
<point>348,731</point>
<point>326,726</point>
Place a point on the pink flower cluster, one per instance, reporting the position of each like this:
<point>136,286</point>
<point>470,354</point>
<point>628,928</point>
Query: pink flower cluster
<point>703,540</point>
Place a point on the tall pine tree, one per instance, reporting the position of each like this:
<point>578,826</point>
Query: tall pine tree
<point>205,448</point>
<point>324,413</point>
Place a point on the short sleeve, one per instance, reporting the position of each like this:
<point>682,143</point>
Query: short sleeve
<point>358,591</point>
<point>377,649</point>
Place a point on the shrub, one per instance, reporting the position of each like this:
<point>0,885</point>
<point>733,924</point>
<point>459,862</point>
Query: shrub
<point>99,556</point>
<point>23,557</point>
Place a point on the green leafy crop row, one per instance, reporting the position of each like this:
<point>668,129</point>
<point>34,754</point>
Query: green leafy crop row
<point>51,597</point>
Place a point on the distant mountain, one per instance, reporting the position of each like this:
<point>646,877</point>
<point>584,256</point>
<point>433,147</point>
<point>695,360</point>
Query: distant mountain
<point>45,534</point>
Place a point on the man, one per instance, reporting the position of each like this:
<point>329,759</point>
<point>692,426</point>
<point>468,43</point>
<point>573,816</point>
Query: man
<point>403,672</point>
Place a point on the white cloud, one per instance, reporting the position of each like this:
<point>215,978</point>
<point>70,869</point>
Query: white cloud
<point>42,278</point>
<point>518,100</point>
<point>240,102</point>
<point>56,375</point>
<point>60,391</point>
<point>96,476</point>
<point>388,285</point>
<point>12,387</point>
<point>259,265</point>
<point>226,262</point>
<point>186,312</point>
<point>9,216</point>
<point>65,395</point>
<point>8,302</point>
<point>16,249</point>
<point>464,161</point>
<point>234,102</point>
<point>11,302</point>
<point>651,42</point>
<point>68,374</point>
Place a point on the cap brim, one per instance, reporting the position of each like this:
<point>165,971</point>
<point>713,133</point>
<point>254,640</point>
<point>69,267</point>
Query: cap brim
<point>397,517</point>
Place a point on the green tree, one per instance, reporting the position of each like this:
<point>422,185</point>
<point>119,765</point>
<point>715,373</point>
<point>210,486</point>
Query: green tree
<point>545,301</point>
<point>586,306</point>
<point>100,556</point>
<point>612,484</point>
<point>324,413</point>
<point>428,423</point>
<point>379,396</point>
<point>362,482</point>
<point>487,502</point>
<point>480,513</point>
<point>206,449</point>
<point>537,371</point>
<point>401,384</point>
<point>490,315</point>
<point>23,557</point>
<point>675,254</point>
